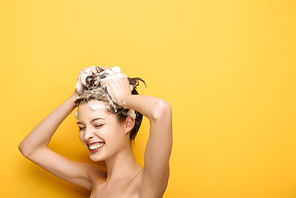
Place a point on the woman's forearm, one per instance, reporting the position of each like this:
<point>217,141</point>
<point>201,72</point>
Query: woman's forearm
<point>151,107</point>
<point>41,135</point>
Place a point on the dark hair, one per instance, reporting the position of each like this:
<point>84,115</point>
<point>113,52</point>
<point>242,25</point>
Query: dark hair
<point>93,90</point>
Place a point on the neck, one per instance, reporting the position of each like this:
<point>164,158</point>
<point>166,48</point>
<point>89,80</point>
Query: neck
<point>122,166</point>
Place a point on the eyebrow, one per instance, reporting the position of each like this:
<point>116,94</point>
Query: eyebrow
<point>80,123</point>
<point>95,119</point>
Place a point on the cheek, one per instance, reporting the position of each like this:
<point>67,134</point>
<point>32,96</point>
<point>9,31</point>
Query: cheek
<point>81,136</point>
<point>118,132</point>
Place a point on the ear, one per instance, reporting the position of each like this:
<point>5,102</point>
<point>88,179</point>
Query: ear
<point>129,124</point>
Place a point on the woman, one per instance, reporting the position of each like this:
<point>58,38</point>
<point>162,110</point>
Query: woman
<point>108,124</point>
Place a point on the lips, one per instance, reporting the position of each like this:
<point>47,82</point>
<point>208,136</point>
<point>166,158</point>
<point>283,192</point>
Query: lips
<point>94,147</point>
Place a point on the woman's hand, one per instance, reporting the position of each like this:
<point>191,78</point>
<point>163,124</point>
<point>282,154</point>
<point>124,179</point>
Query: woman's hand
<point>118,87</point>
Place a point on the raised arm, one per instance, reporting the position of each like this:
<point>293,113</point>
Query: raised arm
<point>41,135</point>
<point>35,148</point>
<point>159,145</point>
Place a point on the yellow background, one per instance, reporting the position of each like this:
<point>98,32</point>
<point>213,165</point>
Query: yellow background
<point>226,67</point>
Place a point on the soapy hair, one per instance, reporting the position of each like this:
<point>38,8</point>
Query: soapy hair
<point>94,90</point>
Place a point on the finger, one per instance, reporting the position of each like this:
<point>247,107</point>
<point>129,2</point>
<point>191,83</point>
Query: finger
<point>88,71</point>
<point>79,78</point>
<point>105,82</point>
<point>124,76</point>
<point>91,70</point>
<point>80,73</point>
<point>84,68</point>
<point>94,69</point>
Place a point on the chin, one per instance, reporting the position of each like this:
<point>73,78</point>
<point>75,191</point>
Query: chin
<point>96,158</point>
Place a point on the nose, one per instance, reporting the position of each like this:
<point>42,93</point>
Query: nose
<point>89,134</point>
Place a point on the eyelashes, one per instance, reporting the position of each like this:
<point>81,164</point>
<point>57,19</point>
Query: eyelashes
<point>97,126</point>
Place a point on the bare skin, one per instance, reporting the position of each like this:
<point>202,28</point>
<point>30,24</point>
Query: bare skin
<point>123,176</point>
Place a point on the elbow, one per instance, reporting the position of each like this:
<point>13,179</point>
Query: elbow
<point>162,110</point>
<point>25,151</point>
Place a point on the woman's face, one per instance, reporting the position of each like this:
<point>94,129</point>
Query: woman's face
<point>100,131</point>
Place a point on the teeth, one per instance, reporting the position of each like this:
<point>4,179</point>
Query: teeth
<point>95,146</point>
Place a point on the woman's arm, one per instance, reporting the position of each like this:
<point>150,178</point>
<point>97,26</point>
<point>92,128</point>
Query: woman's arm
<point>35,147</point>
<point>41,135</point>
<point>159,145</point>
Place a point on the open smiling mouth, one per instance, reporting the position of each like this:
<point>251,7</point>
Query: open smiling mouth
<point>94,147</point>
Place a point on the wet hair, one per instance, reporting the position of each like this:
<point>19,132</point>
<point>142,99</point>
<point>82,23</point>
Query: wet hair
<point>93,90</point>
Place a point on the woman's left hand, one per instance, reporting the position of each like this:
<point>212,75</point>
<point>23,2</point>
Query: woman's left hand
<point>118,87</point>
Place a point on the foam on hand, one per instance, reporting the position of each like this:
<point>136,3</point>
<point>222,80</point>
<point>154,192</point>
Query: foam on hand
<point>88,70</point>
<point>83,77</point>
<point>79,88</point>
<point>113,73</point>
<point>112,70</point>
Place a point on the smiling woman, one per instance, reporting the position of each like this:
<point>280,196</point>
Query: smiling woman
<point>109,115</point>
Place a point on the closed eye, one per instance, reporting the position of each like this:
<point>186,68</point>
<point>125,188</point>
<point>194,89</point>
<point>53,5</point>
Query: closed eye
<point>81,127</point>
<point>98,125</point>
